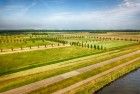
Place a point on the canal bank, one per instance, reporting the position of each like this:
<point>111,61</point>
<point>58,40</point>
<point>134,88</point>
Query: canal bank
<point>96,85</point>
<point>127,84</point>
<point>111,75</point>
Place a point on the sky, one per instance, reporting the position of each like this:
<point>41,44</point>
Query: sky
<point>70,14</point>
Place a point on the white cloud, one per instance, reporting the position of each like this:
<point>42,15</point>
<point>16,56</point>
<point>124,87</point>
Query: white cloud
<point>130,3</point>
<point>16,10</point>
<point>121,17</point>
<point>125,16</point>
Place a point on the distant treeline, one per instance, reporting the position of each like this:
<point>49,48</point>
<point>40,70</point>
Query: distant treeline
<point>91,31</point>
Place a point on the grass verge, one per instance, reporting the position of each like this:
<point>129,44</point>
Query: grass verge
<point>93,87</point>
<point>65,83</point>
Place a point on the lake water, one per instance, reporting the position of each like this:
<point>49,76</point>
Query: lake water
<point>129,84</point>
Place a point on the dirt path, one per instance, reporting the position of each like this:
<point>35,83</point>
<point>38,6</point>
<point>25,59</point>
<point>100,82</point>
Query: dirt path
<point>69,89</point>
<point>18,50</point>
<point>43,83</point>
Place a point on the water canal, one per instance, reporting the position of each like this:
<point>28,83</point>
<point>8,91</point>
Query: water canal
<point>128,84</point>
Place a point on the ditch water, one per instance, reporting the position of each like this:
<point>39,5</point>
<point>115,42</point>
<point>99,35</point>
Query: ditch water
<point>129,84</point>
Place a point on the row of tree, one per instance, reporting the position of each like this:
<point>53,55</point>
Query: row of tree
<point>95,46</point>
<point>62,37</point>
<point>30,47</point>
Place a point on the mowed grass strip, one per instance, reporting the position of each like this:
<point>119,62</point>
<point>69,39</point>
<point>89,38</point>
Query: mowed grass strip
<point>23,80</point>
<point>57,66</point>
<point>20,61</point>
<point>93,86</point>
<point>65,83</point>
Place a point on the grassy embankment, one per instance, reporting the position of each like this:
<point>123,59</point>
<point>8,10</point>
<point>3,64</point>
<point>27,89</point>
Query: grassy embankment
<point>12,83</point>
<point>105,80</point>
<point>75,79</point>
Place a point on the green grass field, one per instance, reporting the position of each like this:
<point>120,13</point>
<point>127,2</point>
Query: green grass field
<point>17,61</point>
<point>19,69</point>
<point>19,81</point>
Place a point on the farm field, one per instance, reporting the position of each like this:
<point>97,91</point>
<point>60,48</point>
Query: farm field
<point>83,59</point>
<point>17,41</point>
